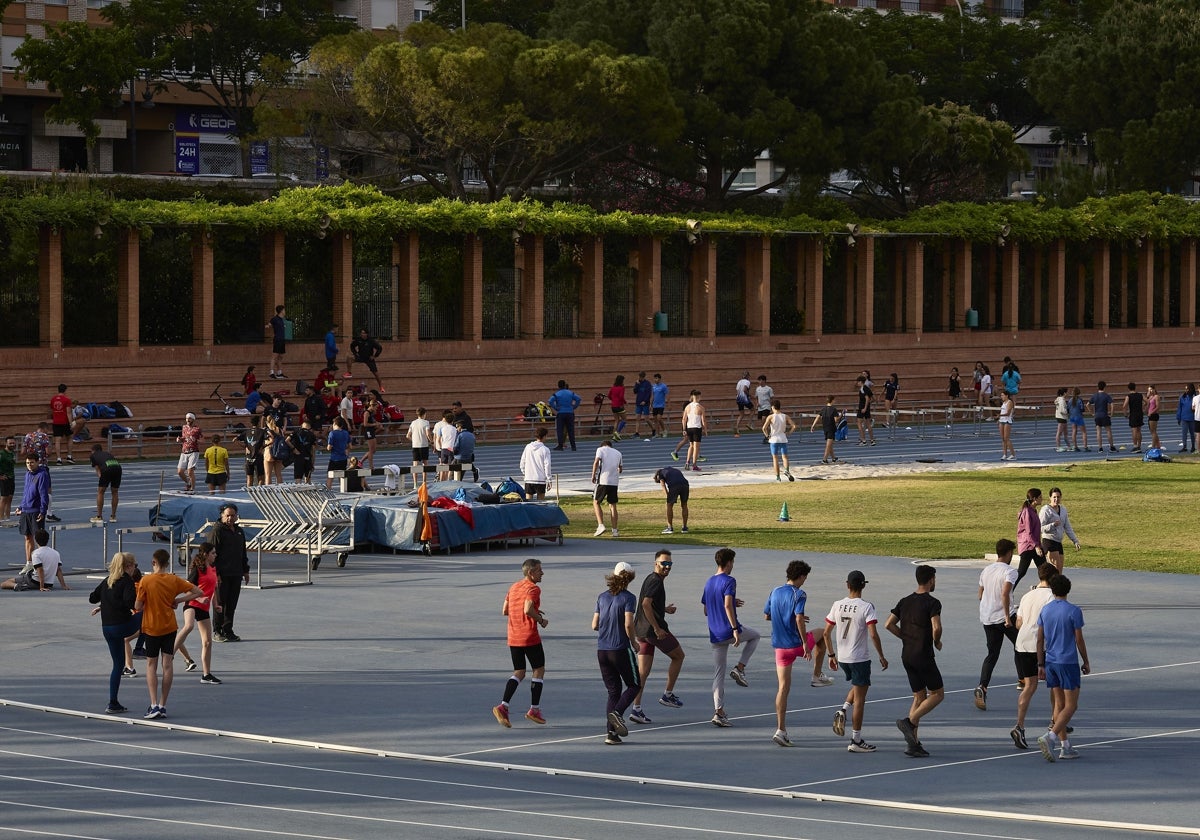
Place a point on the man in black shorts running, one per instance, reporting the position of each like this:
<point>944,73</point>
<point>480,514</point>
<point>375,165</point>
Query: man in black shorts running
<point>650,628</point>
<point>917,622</point>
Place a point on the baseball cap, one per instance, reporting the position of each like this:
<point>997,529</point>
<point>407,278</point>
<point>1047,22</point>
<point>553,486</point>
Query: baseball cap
<point>189,416</point>
<point>622,567</point>
<point>856,579</point>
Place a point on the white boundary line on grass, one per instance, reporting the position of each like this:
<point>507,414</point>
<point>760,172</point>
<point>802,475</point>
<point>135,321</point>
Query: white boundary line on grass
<point>617,777</point>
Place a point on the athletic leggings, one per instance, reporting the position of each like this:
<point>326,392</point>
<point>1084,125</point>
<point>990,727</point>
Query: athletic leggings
<point>996,633</point>
<point>115,635</point>
<point>617,667</point>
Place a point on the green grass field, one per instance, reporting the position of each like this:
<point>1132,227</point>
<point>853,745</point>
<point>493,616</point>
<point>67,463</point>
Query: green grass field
<point>1127,515</point>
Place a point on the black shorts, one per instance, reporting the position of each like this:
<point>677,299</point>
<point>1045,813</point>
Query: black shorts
<point>1153,418</point>
<point>445,456</point>
<point>1026,665</point>
<point>337,465</point>
<point>369,361</point>
<point>923,675</point>
<point>279,346</point>
<point>531,653</point>
<point>764,413</point>
<point>164,644</point>
<point>254,466</point>
<point>1103,422</point>
<point>535,489</point>
<point>618,409</point>
<point>743,405</point>
<point>201,615</point>
<point>7,486</point>
<point>678,494</point>
<point>368,434</point>
<point>1051,545</point>
<point>1136,421</point>
<point>62,430</point>
<point>865,414</point>
<point>606,493</point>
<point>420,453</point>
<point>216,479</point>
<point>694,435</point>
<point>658,412</point>
<point>110,477</point>
<point>28,524</point>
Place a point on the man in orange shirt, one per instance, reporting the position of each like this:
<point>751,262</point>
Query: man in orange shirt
<point>523,606</point>
<point>158,594</point>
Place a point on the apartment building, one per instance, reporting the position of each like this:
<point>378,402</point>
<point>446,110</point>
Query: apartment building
<point>163,132</point>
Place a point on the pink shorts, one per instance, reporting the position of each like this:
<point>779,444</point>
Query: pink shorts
<point>786,656</point>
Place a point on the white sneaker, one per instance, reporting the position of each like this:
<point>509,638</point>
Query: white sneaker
<point>616,533</point>
<point>668,530</point>
<point>599,532</point>
<point>821,680</point>
<point>781,738</point>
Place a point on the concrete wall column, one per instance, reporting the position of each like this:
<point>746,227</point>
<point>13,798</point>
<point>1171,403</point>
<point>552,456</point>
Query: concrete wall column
<point>647,296</point>
<point>864,285</point>
<point>591,293</point>
<point>1101,285</point>
<point>531,256</point>
<point>472,288</point>
<point>811,262</point>
<point>914,268</point>
<point>702,288</point>
<point>406,268</point>
<point>1145,284</point>
<point>203,294</point>
<point>1010,273</point>
<point>343,282</point>
<point>1187,283</point>
<point>1056,294</point>
<point>756,278</point>
<point>1039,274</point>
<point>129,332</point>
<point>273,286</point>
<point>50,288</point>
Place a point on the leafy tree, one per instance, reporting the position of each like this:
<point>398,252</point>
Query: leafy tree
<point>518,110</point>
<point>973,59</point>
<point>1126,84</point>
<point>231,51</point>
<point>933,154</point>
<point>526,16</point>
<point>87,67</point>
<point>750,76</point>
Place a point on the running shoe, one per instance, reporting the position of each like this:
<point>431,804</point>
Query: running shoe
<point>668,530</point>
<point>616,533</point>
<point>1068,752</point>
<point>616,437</point>
<point>1046,743</point>
<point>152,713</point>
<point>534,715</point>
<point>695,469</point>
<point>790,476</point>
<point>908,731</point>
<point>616,723</point>
<point>96,519</point>
<point>981,699</point>
<point>669,699</point>
<point>873,442</point>
<point>674,456</point>
<point>189,664</point>
<point>50,517</point>
<point>917,751</point>
<point>684,529</point>
<point>501,714</point>
<point>781,738</point>
<point>860,747</point>
<point>701,459</point>
<point>739,677</point>
<point>721,719</point>
<point>1018,736</point>
<point>839,722</point>
<point>128,672</point>
<point>209,679</point>
<point>612,738</point>
<point>638,716</point>
<point>821,681</point>
<point>230,636</point>
<point>599,532</point>
<point>115,709</point>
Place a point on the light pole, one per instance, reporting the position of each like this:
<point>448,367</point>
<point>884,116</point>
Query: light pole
<point>464,15</point>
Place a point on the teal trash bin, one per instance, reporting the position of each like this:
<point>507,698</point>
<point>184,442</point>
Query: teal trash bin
<point>289,329</point>
<point>972,318</point>
<point>660,322</point>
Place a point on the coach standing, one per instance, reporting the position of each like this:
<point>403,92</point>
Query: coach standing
<point>233,569</point>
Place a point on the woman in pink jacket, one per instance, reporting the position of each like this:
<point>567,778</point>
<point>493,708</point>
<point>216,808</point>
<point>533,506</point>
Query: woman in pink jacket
<point>1029,530</point>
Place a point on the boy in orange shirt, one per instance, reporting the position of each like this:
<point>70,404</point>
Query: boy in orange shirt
<point>158,594</point>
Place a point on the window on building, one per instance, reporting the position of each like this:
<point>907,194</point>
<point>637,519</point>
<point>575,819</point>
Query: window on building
<point>8,45</point>
<point>384,13</point>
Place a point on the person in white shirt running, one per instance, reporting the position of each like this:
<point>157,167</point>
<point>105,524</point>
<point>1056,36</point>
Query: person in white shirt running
<point>777,427</point>
<point>1026,649</point>
<point>606,472</point>
<point>996,613</point>
<point>852,622</point>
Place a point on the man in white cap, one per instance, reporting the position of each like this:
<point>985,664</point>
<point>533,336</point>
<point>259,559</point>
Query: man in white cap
<point>613,621</point>
<point>189,438</point>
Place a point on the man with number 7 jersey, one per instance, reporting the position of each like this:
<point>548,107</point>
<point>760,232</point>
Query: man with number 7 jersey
<point>851,621</point>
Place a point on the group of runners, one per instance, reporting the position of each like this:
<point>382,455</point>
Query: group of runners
<point>1046,628</point>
